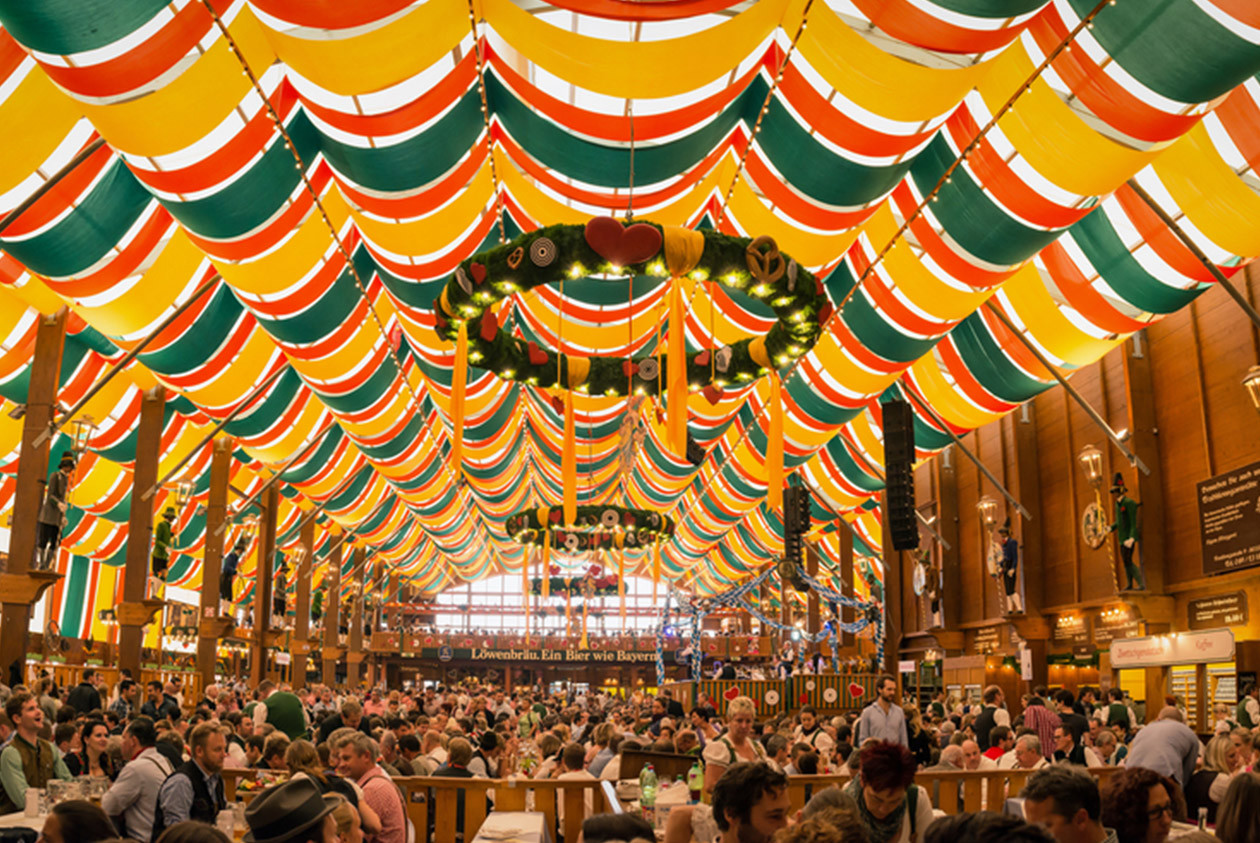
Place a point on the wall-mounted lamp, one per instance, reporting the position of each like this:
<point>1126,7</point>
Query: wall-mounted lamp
<point>1251,381</point>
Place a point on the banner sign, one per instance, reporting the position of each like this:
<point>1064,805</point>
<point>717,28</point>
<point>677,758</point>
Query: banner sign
<point>1229,520</point>
<point>1208,646</point>
<point>1222,610</point>
<point>571,655</point>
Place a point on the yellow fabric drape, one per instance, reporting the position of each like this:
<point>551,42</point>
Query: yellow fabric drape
<point>459,386</point>
<point>774,449</point>
<point>676,400</point>
<point>568,461</point>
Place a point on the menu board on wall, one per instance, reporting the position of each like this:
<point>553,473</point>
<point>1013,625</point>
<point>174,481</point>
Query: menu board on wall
<point>1071,631</point>
<point>1105,633</point>
<point>1220,610</point>
<point>1229,520</point>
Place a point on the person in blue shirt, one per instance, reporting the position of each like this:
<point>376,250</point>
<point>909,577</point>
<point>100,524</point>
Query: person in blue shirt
<point>228,574</point>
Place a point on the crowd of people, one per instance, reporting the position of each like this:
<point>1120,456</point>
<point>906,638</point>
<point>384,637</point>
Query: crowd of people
<point>163,758</point>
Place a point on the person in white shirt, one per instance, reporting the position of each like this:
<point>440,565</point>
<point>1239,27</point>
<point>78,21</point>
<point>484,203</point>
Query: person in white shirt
<point>812,732</point>
<point>1028,754</point>
<point>133,795</point>
<point>432,748</point>
<point>573,761</point>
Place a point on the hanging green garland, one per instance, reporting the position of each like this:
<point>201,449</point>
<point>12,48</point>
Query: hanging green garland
<point>548,255</point>
<point>596,528</point>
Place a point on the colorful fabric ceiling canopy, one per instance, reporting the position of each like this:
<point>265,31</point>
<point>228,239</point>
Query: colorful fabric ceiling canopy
<point>417,133</point>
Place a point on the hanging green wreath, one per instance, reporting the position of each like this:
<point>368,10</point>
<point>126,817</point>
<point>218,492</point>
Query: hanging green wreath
<point>754,267</point>
<point>595,528</point>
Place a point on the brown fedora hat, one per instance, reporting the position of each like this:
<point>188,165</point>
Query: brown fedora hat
<point>282,813</point>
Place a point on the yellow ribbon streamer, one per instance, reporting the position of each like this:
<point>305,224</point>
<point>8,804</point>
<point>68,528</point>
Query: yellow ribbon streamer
<point>459,384</point>
<point>568,462</point>
<point>656,568</point>
<point>774,448</point>
<point>544,512</point>
<point>621,586</point>
<point>676,362</point>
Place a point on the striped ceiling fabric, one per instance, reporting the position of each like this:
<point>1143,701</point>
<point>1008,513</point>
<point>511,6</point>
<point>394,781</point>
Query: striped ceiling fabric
<point>327,166</point>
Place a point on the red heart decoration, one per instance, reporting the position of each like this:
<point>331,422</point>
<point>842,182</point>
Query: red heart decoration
<point>557,404</point>
<point>629,368</point>
<point>824,313</point>
<point>856,691</point>
<point>620,245</point>
<point>555,516</point>
<point>489,326</point>
<point>712,394</point>
<point>660,415</point>
<point>731,693</point>
<point>628,520</point>
<point>702,359</point>
<point>478,272</point>
<point>536,355</point>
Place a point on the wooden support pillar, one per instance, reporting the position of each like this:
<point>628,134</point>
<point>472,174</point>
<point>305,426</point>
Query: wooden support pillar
<point>212,626</point>
<point>302,605</point>
<point>20,588</point>
<point>262,585</point>
<point>135,611</point>
<point>847,639</point>
<point>945,468</point>
<point>332,617</point>
<point>1202,701</point>
<point>892,597</point>
<point>1148,488</point>
<point>354,653</point>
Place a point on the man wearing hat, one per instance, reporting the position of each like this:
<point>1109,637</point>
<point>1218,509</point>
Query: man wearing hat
<point>227,576</point>
<point>162,536</point>
<point>1129,530</point>
<point>53,514</point>
<point>293,812</point>
<point>1010,569</point>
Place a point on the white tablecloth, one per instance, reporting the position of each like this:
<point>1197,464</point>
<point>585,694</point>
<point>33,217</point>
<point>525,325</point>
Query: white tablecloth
<point>521,826</point>
<point>20,820</point>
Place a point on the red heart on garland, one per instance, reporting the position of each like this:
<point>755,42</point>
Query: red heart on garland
<point>856,691</point>
<point>620,245</point>
<point>702,359</point>
<point>489,326</point>
<point>478,272</point>
<point>629,368</point>
<point>628,521</point>
<point>557,404</point>
<point>536,355</point>
<point>731,693</point>
<point>660,415</point>
<point>824,313</point>
<point>712,394</point>
<point>555,516</point>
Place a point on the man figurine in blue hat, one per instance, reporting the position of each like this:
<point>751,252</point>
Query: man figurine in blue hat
<point>163,535</point>
<point>1129,529</point>
<point>52,514</point>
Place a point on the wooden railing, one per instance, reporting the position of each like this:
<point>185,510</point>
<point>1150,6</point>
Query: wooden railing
<point>434,802</point>
<point>70,675</point>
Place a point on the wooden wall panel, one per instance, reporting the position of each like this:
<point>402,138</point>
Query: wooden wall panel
<point>1227,351</point>
<point>1056,516</point>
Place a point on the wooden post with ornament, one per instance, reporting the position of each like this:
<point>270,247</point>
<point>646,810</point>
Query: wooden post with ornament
<point>331,653</point>
<point>302,605</point>
<point>211,626</point>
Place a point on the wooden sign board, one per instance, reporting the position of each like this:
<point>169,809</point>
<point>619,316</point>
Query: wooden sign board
<point>1229,520</point>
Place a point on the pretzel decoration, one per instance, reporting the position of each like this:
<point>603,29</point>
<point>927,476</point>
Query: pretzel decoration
<point>769,266</point>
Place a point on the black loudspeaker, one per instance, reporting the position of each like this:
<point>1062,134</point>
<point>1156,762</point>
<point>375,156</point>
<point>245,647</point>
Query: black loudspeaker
<point>899,474</point>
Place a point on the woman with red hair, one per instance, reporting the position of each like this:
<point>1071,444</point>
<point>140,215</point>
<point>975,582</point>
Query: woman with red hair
<point>891,807</point>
